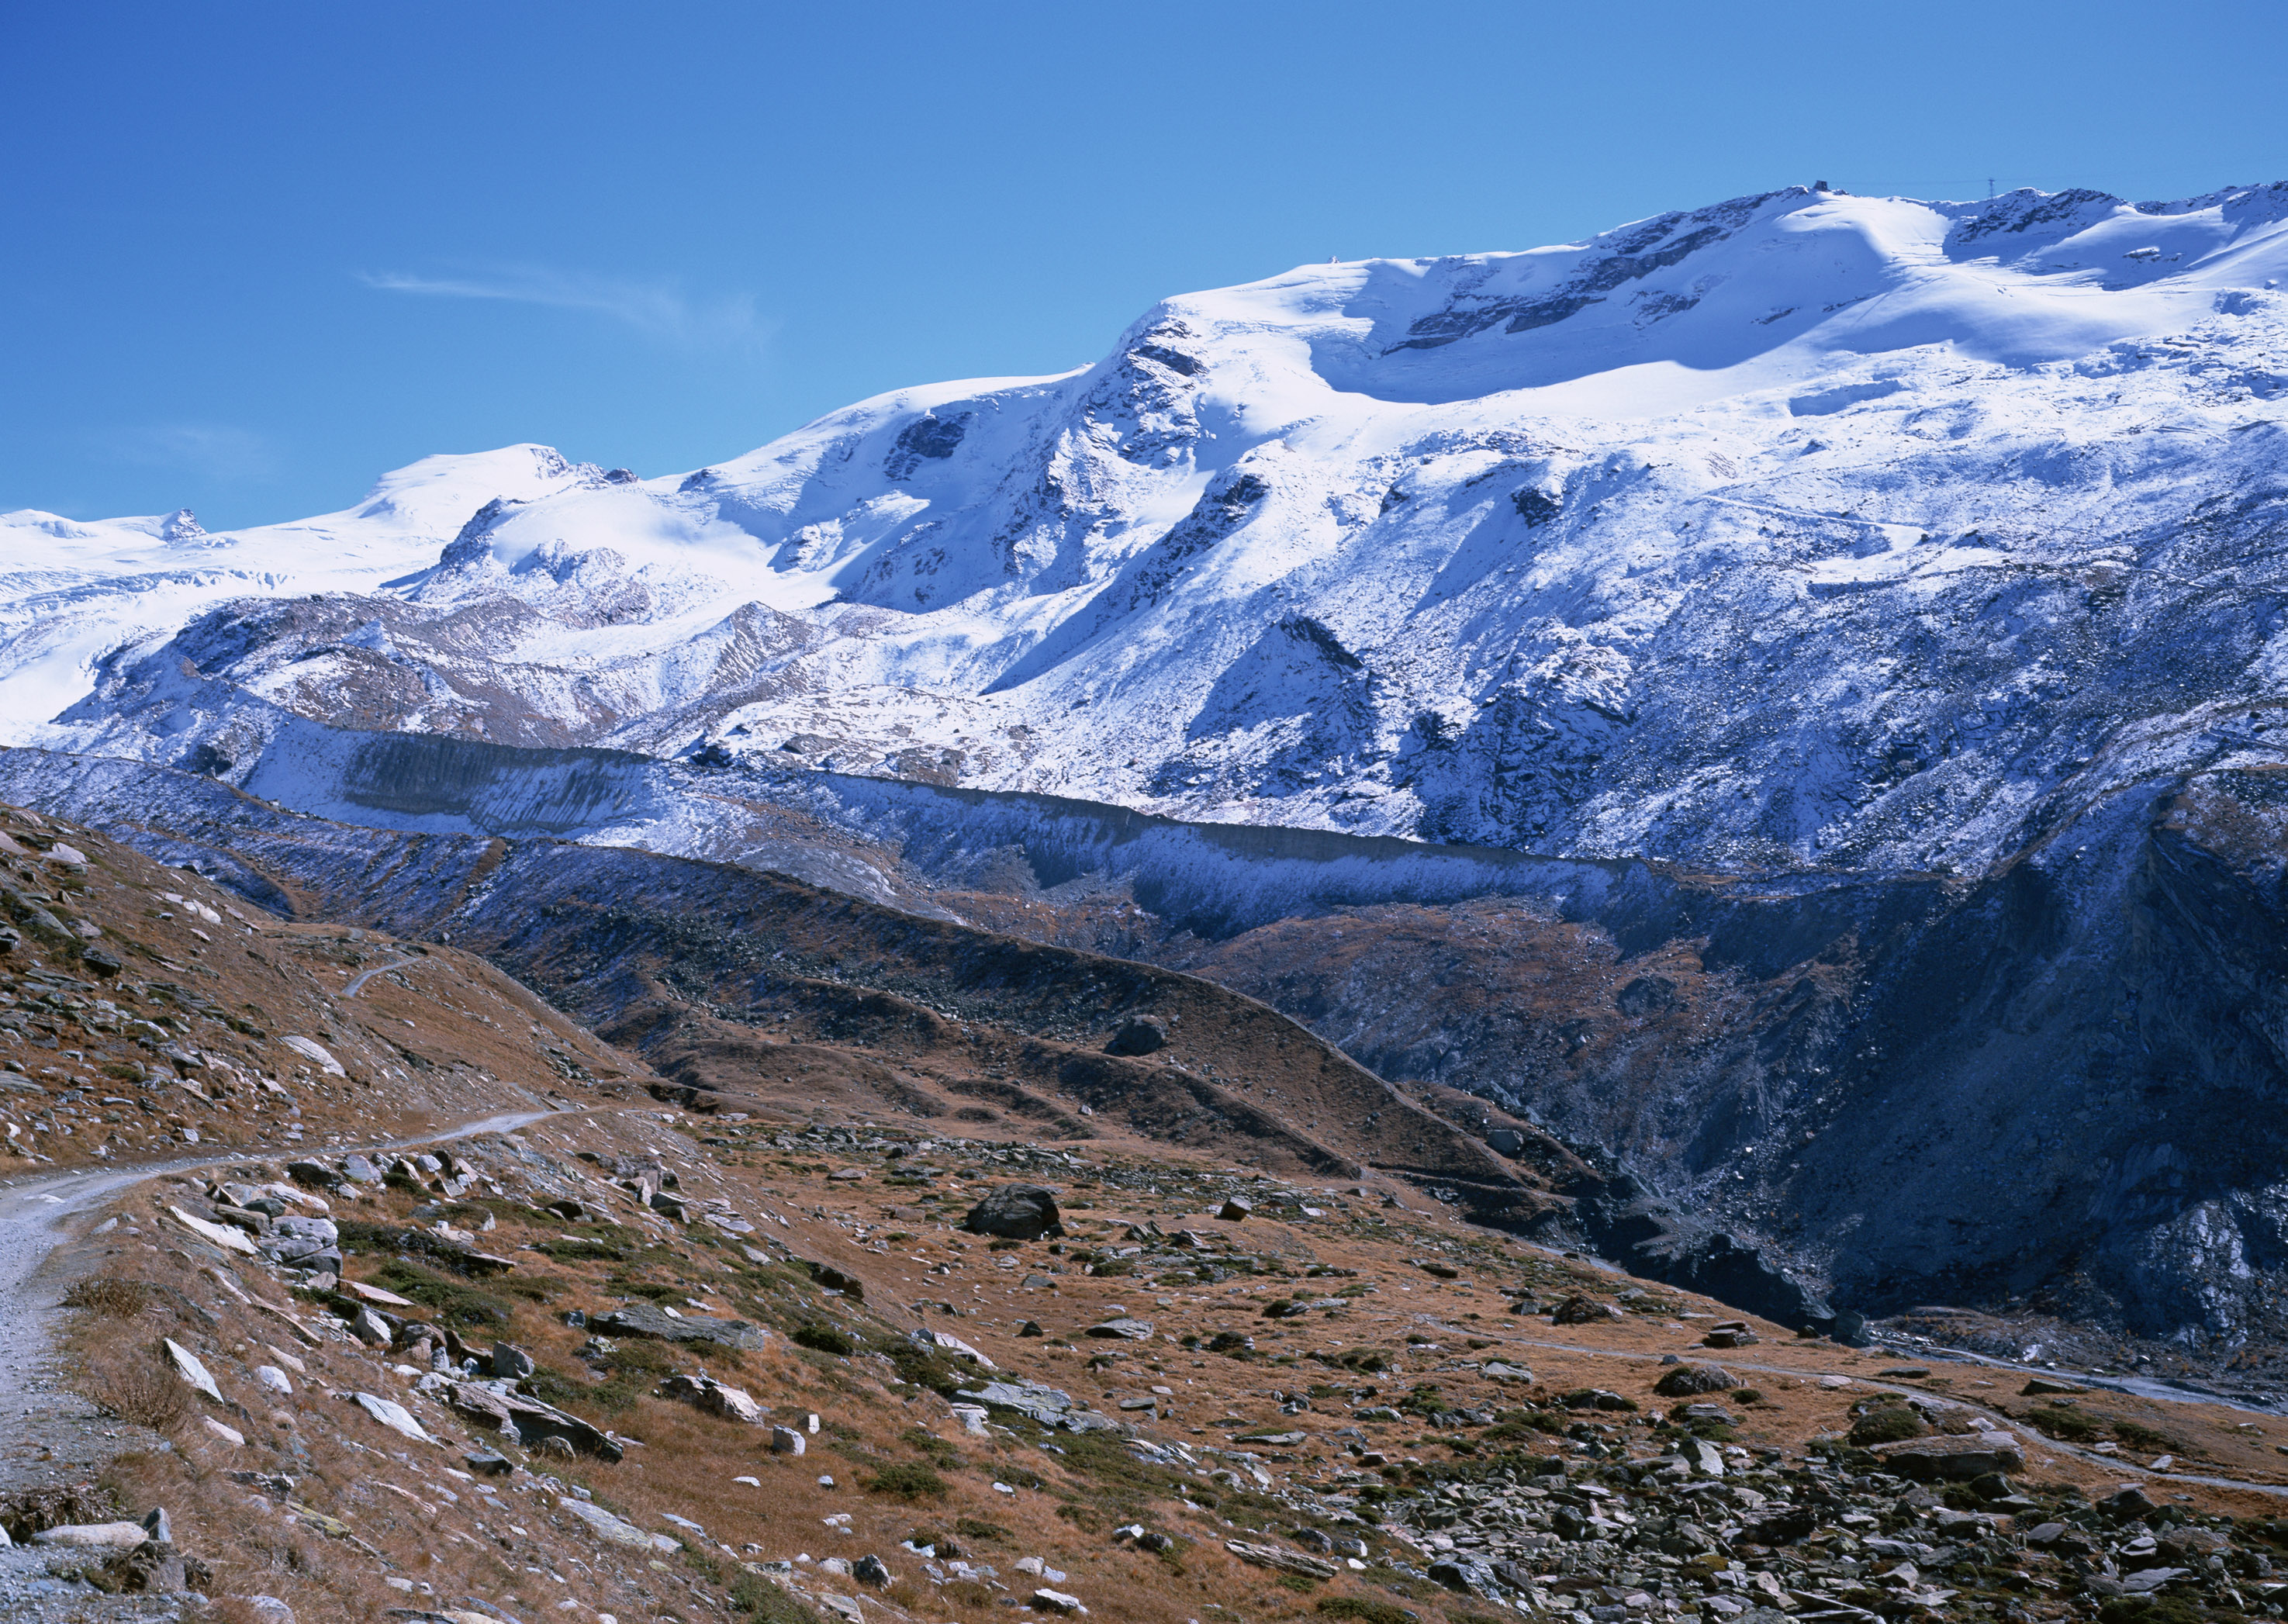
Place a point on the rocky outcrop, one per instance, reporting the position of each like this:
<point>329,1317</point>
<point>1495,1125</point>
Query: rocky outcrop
<point>1016,1212</point>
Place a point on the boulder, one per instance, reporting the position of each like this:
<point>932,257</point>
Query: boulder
<point>87,1535</point>
<point>649,1320</point>
<point>1234,1209</point>
<point>393,1415</point>
<point>1139,1034</point>
<point>1017,1212</point>
<point>1122,1330</point>
<point>706,1393</point>
<point>1960,1459</point>
<point>1691,1381</point>
<point>835,1279</point>
<point>529,1419</point>
<point>786,1440</point>
<point>511,1363</point>
<point>185,1365</point>
<point>1578,1310</point>
<point>1280,1559</point>
<point>2129,1501</point>
<point>616,1530</point>
<point>923,1336</point>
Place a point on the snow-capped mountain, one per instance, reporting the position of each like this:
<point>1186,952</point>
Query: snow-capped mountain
<point>1807,528</point>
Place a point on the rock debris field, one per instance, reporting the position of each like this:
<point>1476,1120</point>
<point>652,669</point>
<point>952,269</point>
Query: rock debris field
<point>639,1365</point>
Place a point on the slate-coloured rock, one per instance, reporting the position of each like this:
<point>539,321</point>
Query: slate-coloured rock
<point>1961,1459</point>
<point>649,1320</point>
<point>1122,1329</point>
<point>705,1393</point>
<point>1139,1034</point>
<point>531,1420</point>
<point>1017,1212</point>
<point>1578,1309</point>
<point>1689,1380</point>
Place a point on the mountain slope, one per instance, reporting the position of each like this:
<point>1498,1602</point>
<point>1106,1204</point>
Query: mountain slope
<point>1804,528</point>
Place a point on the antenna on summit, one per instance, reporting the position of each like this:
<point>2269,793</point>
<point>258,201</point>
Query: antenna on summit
<point>1989,188</point>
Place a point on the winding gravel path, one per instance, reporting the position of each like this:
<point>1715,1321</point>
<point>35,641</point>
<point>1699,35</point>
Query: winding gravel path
<point>34,1212</point>
<point>357,981</point>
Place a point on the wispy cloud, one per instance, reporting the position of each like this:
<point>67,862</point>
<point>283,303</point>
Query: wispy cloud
<point>659,307</point>
<point>217,451</point>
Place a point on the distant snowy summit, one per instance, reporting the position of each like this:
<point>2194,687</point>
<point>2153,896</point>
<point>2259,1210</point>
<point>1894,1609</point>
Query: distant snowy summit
<point>1806,528</point>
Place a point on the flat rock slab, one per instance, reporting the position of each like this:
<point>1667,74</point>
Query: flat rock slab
<point>1123,1330</point>
<point>1972,1455</point>
<point>185,1365</point>
<point>706,1393</point>
<point>649,1320</point>
<point>1277,1558</point>
<point>1030,1399</point>
<point>229,1236</point>
<point>616,1530</point>
<point>532,1419</point>
<point>393,1415</point>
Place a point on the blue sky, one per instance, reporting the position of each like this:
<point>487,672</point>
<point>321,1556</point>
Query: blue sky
<point>255,254</point>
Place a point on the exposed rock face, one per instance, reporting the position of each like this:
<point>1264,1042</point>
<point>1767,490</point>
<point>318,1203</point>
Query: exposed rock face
<point>1958,1458</point>
<point>1017,1212</point>
<point>1139,1034</point>
<point>1685,1380</point>
<point>531,1420</point>
<point>705,1393</point>
<point>649,1320</point>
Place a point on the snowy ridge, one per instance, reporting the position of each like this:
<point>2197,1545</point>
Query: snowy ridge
<point>1803,528</point>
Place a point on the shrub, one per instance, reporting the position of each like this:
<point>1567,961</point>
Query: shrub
<point>756,1597</point>
<point>930,1446</point>
<point>109,1295</point>
<point>1364,1610</point>
<point>825,1339</point>
<point>453,1302</point>
<point>907,1480</point>
<point>1887,1425</point>
<point>2144,1437</point>
<point>139,1390</point>
<point>579,1249</point>
<point>2062,1421</point>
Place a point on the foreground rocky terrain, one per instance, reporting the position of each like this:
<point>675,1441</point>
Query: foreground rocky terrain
<point>637,1364</point>
<point>761,1310</point>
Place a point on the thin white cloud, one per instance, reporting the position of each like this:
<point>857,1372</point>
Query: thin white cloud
<point>217,451</point>
<point>659,307</point>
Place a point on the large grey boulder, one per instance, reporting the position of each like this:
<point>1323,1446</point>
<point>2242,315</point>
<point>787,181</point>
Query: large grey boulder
<point>530,1420</point>
<point>1139,1034</point>
<point>1017,1212</point>
<point>649,1320</point>
<point>1691,1381</point>
<point>1972,1455</point>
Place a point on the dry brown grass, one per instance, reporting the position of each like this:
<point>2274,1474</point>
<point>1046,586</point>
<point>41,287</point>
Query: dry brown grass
<point>132,1384</point>
<point>110,1295</point>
